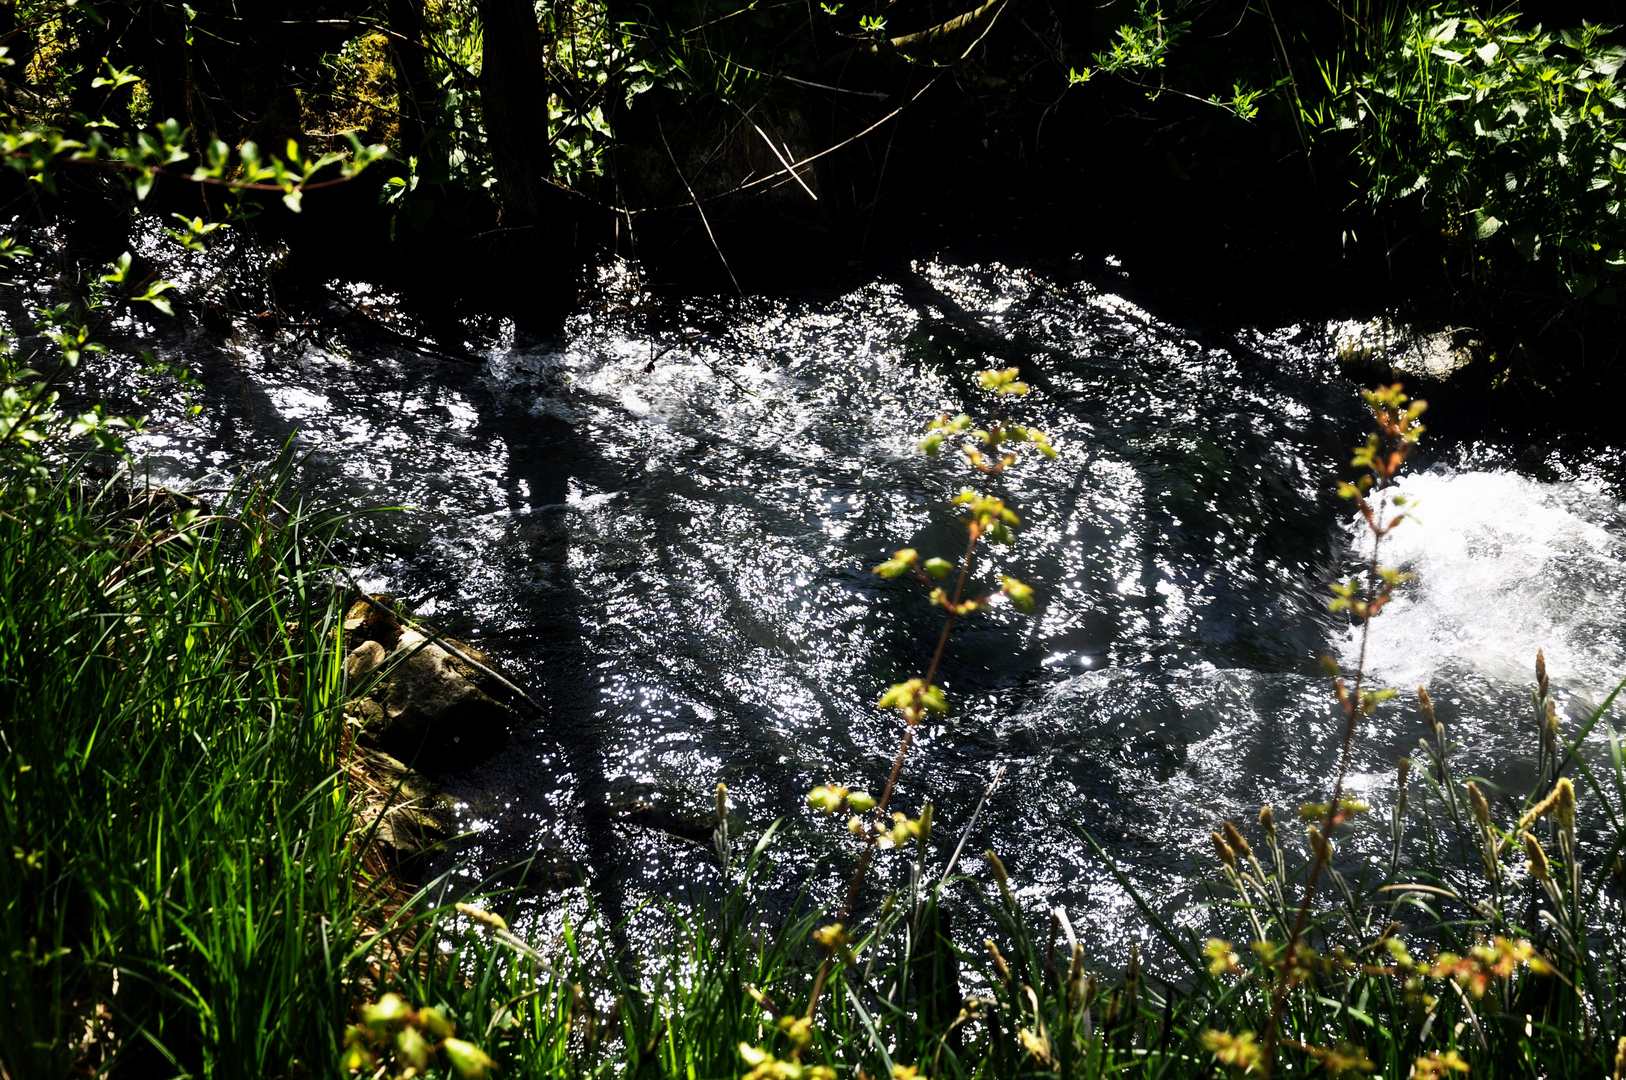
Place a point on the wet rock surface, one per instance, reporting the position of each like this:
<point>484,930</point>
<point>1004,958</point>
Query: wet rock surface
<point>431,694</point>
<point>363,660</point>
<point>1384,350</point>
<point>421,702</point>
<point>641,813</point>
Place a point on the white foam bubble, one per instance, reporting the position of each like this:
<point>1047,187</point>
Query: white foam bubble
<point>1505,565</point>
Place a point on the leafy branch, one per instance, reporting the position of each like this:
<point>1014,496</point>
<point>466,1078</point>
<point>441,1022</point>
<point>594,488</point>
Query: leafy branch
<point>988,451</point>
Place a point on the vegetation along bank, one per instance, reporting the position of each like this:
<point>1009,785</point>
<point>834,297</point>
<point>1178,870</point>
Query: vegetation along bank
<point>1456,165</point>
<point>202,873</point>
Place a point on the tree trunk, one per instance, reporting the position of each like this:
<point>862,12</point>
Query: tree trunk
<point>513,91</point>
<point>537,252</point>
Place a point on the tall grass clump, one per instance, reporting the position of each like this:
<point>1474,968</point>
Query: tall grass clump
<point>180,892</point>
<point>177,889</point>
<point>189,879</point>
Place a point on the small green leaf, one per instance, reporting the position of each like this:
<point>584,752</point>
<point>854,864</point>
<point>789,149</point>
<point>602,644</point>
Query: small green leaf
<point>356,1058</point>
<point>434,1021</point>
<point>1021,596</point>
<point>899,564</point>
<point>467,1059</point>
<point>389,1009</point>
<point>1527,242</point>
<point>826,798</point>
<point>412,1048</point>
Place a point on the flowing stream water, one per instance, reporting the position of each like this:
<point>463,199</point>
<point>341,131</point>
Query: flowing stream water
<point>664,522</point>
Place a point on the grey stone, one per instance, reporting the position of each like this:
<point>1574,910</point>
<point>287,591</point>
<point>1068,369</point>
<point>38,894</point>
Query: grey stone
<point>433,694</point>
<point>363,660</point>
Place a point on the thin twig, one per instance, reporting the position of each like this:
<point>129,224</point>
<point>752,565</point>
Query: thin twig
<point>780,174</point>
<point>1396,431</point>
<point>781,158</point>
<point>872,837</point>
<point>698,208</point>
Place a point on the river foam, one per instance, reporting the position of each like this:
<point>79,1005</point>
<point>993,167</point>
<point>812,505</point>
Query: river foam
<point>1505,565</point>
